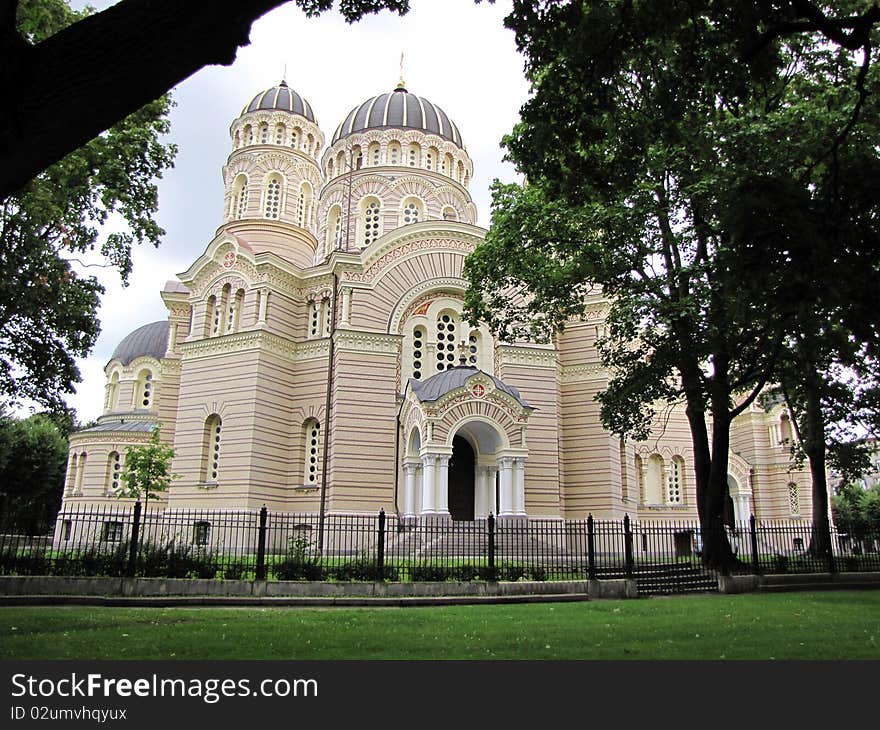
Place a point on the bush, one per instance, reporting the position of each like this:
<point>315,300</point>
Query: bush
<point>484,572</point>
<point>538,573</point>
<point>780,564</point>
<point>233,571</point>
<point>364,569</point>
<point>464,572</point>
<point>428,573</point>
<point>298,569</point>
<point>513,573</point>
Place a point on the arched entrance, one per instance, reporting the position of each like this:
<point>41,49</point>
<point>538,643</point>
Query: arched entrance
<point>462,468</point>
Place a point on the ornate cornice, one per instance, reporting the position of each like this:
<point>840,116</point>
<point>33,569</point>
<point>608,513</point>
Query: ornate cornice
<point>540,357</point>
<point>255,340</point>
<point>575,373</point>
<point>354,341</point>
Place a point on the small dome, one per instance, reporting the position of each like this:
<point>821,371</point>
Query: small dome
<point>399,109</point>
<point>282,98</point>
<point>150,340</point>
<point>435,387</point>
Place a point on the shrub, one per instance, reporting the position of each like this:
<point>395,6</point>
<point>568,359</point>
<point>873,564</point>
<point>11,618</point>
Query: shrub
<point>233,571</point>
<point>538,573</point>
<point>484,572</point>
<point>780,564</point>
<point>464,572</point>
<point>428,573</point>
<point>363,569</point>
<point>513,573</point>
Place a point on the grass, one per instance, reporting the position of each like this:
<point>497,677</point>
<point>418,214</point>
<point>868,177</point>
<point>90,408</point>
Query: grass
<point>832,625</point>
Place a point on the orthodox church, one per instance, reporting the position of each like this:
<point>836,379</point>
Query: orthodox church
<point>315,357</point>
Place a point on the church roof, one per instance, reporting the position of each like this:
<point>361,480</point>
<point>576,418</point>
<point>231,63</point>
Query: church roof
<point>121,424</point>
<point>150,340</point>
<point>435,387</point>
<point>399,109</point>
<point>282,98</point>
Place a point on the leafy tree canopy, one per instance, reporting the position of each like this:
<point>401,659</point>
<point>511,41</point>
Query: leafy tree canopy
<point>33,461</point>
<point>147,470</point>
<point>653,132</point>
<point>47,309</point>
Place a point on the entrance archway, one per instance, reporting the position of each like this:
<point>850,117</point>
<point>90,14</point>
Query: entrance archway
<point>462,468</point>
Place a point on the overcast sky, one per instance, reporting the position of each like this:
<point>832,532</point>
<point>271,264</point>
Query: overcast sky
<point>456,53</point>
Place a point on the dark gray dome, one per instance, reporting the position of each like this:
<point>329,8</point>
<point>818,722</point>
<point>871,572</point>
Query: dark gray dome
<point>283,98</point>
<point>435,387</point>
<point>399,109</point>
<point>150,340</point>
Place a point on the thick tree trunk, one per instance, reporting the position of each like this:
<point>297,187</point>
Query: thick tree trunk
<point>57,95</point>
<point>815,448</point>
<point>716,547</point>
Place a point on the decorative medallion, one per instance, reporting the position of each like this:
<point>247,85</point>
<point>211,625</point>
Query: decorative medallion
<point>478,391</point>
<point>229,260</point>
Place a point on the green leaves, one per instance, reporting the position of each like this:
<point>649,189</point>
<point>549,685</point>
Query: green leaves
<point>47,309</point>
<point>147,470</point>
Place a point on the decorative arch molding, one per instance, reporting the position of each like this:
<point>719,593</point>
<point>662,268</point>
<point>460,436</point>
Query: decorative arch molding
<point>741,471</point>
<point>424,293</point>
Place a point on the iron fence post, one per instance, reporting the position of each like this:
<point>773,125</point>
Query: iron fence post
<point>380,548</point>
<point>261,545</point>
<point>491,527</point>
<point>753,535</point>
<point>628,546</point>
<point>133,545</point>
<point>591,548</point>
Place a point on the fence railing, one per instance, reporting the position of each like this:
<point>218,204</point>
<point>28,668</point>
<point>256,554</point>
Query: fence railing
<point>127,540</point>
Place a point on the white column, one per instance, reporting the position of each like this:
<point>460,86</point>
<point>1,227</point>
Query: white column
<point>442,492</point>
<point>519,486</point>
<point>409,490</point>
<point>417,490</point>
<point>741,508</point>
<point>346,308</point>
<point>429,463</point>
<point>506,474</point>
<point>481,498</point>
<point>491,473</point>
<point>264,304</point>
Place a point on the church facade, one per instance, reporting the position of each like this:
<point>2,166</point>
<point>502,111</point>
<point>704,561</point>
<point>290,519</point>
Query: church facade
<point>315,356</point>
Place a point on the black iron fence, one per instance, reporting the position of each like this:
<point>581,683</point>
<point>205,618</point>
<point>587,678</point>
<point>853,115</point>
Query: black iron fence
<point>127,540</point>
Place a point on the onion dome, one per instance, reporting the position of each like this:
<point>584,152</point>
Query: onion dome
<point>281,98</point>
<point>399,109</point>
<point>151,340</point>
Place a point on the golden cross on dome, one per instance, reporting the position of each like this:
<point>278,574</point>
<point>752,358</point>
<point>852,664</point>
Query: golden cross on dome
<point>400,84</point>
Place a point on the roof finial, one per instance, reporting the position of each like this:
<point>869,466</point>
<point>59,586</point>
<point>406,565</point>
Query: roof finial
<point>283,75</point>
<point>400,84</point>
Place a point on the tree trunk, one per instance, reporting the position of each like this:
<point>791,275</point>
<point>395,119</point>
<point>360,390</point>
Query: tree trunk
<point>814,446</point>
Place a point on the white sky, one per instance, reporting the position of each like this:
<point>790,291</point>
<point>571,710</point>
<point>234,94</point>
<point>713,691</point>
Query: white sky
<point>456,53</point>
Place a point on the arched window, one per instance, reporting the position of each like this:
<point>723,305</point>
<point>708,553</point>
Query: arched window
<point>239,197</point>
<point>295,135</point>
<point>340,163</point>
<point>418,351</point>
<point>357,157</point>
<point>248,134</point>
<point>311,434</point>
<point>785,430</point>
<point>327,312</point>
<point>414,155</point>
<point>334,229</point>
<point>794,502</point>
<point>373,154</point>
<point>236,143</point>
<point>114,472</point>
<point>80,473</point>
<point>447,325</point>
<point>280,133</point>
<point>394,153</point>
<point>113,393</point>
<point>314,319</point>
<point>448,164</point>
<point>143,395</point>
<point>330,168</point>
<point>212,317</point>
<point>473,353</point>
<point>449,213</point>
<point>412,211</point>
<point>369,221</point>
<point>675,483</point>
<point>304,212</point>
<point>460,171</point>
<point>310,144</point>
<point>264,133</point>
<point>233,316</point>
<point>273,198</point>
<point>654,481</point>
<point>431,158</point>
<point>211,449</point>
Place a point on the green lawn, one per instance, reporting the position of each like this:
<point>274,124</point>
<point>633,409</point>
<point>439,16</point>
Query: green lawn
<point>832,625</point>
